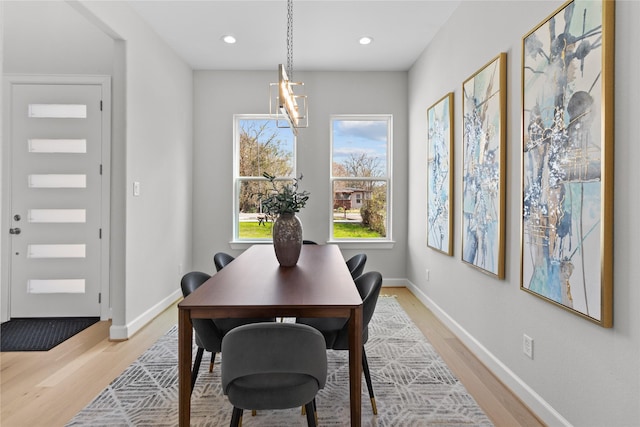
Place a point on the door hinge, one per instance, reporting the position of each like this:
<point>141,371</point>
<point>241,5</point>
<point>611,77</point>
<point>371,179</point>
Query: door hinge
<point>100,169</point>
<point>100,233</point>
<point>99,297</point>
<point>100,105</point>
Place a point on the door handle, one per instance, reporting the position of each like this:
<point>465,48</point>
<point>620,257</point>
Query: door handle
<point>15,230</point>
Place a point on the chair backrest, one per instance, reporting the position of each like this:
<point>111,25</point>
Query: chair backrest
<point>356,265</point>
<point>369,285</point>
<point>208,335</point>
<point>192,281</point>
<point>273,348</point>
<point>221,259</point>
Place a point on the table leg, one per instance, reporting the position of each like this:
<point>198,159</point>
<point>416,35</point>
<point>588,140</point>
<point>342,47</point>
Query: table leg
<point>355,365</point>
<point>185,339</point>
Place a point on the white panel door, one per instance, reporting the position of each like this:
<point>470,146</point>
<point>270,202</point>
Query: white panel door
<point>56,146</point>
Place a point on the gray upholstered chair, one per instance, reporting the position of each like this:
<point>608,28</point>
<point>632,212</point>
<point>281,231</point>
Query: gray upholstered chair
<point>356,265</point>
<point>209,332</point>
<point>273,366</point>
<point>221,259</point>
<point>336,330</point>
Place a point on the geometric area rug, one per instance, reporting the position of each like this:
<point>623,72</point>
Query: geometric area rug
<point>412,384</point>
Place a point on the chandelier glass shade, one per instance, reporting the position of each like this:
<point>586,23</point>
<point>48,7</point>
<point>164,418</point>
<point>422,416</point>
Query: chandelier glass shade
<point>287,101</point>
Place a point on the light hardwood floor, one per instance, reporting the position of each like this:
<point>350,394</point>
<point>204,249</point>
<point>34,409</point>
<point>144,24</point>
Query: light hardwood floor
<point>49,388</point>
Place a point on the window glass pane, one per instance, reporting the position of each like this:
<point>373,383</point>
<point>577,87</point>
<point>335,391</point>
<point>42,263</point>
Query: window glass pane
<point>56,286</point>
<point>57,145</point>
<point>360,148</point>
<point>360,209</point>
<point>57,111</point>
<point>58,181</point>
<point>252,222</point>
<point>263,147</point>
<point>260,147</point>
<point>57,215</point>
<point>57,251</point>
<point>361,176</point>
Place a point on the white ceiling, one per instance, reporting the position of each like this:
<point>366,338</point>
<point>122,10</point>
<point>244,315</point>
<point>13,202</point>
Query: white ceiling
<point>326,32</point>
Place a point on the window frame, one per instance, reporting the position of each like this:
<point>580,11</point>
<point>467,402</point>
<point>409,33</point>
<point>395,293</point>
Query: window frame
<point>237,242</point>
<point>387,241</point>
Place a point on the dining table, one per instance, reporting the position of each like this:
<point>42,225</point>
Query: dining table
<point>255,285</point>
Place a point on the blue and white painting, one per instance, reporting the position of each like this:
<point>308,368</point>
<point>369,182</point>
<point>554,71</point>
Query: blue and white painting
<point>483,157</point>
<point>439,180</point>
<point>562,169</point>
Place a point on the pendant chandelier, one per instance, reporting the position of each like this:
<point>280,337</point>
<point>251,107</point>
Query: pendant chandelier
<point>286,98</point>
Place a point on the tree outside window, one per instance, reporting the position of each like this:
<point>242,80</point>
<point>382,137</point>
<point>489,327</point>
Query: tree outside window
<point>260,146</point>
<point>360,151</point>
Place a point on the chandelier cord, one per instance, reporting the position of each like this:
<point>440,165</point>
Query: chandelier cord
<point>290,38</point>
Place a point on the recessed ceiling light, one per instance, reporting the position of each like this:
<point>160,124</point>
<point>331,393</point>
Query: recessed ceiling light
<point>365,40</point>
<point>228,39</point>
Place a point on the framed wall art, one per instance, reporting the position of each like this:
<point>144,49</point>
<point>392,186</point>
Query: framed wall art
<point>484,153</point>
<point>567,159</point>
<point>439,175</point>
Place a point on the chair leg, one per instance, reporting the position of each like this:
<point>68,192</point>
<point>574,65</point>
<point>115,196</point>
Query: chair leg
<point>196,367</point>
<point>315,410</point>
<point>236,417</point>
<point>367,377</point>
<point>311,419</point>
<point>213,358</point>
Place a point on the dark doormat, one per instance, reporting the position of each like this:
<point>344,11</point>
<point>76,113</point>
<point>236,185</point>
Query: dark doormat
<point>40,334</point>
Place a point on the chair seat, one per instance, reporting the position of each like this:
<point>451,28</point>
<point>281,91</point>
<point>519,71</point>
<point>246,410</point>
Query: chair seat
<point>272,391</point>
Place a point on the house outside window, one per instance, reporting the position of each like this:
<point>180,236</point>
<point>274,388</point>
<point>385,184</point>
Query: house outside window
<point>361,177</point>
<point>259,146</point>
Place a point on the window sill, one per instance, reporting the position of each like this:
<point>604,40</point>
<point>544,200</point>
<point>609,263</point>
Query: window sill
<point>363,244</point>
<point>343,244</point>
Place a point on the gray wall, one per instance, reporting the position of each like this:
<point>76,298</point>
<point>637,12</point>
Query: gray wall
<point>220,94</point>
<point>581,373</point>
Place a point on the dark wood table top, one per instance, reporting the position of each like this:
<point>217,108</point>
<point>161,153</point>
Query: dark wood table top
<point>255,282</point>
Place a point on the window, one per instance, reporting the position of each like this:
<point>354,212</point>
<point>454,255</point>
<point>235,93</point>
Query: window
<point>259,146</point>
<point>361,177</point>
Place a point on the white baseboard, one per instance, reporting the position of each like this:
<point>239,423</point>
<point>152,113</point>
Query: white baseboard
<point>394,283</point>
<point>119,333</point>
<point>521,389</point>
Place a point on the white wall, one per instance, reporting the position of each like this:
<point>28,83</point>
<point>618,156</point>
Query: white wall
<point>220,94</point>
<point>581,374</point>
<point>151,138</point>
<point>49,37</point>
<point>158,140</point>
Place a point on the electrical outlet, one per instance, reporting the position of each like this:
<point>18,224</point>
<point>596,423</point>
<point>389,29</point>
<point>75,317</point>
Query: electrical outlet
<point>527,345</point>
<point>426,274</point>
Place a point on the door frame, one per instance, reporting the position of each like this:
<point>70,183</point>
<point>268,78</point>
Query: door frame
<point>9,80</point>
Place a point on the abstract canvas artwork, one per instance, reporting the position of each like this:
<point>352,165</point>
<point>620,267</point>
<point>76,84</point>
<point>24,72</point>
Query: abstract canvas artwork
<point>439,175</point>
<point>483,187</point>
<point>567,159</point>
